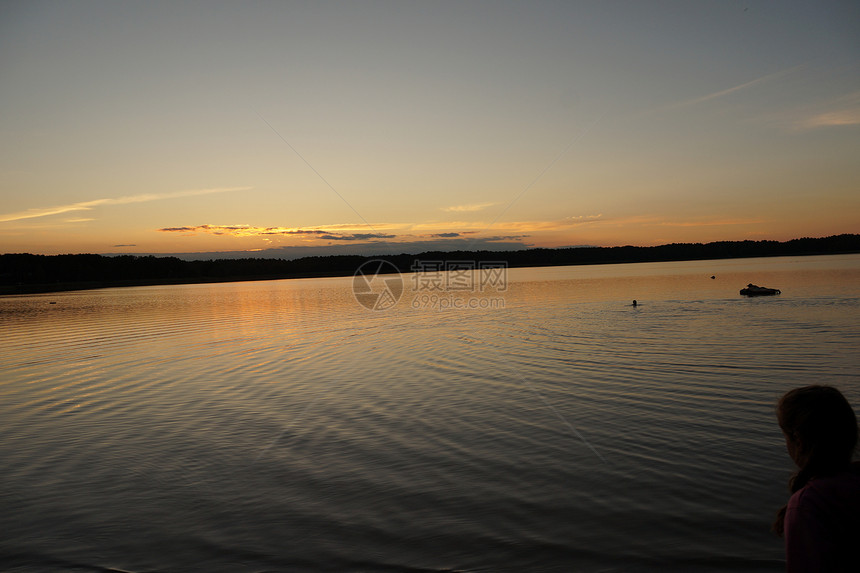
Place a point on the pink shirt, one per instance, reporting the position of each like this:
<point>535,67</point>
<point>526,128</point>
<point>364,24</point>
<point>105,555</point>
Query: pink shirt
<point>822,526</point>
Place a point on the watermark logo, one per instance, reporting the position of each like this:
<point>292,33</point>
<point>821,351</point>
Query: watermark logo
<point>442,285</point>
<point>377,285</point>
<point>469,276</point>
<point>435,285</point>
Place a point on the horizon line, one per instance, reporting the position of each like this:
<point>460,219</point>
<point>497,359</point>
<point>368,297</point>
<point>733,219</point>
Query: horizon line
<point>525,248</point>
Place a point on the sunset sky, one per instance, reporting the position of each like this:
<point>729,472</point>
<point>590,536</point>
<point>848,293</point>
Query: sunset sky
<point>291,128</point>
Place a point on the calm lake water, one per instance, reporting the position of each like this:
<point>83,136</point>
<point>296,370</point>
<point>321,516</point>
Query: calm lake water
<point>282,426</point>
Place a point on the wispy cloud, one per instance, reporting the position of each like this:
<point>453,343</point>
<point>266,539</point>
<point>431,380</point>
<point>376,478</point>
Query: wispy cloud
<point>582,219</point>
<point>468,208</point>
<point>834,118</point>
<point>356,237</point>
<point>448,235</point>
<point>325,234</point>
<point>653,220</point>
<point>399,232</point>
<point>711,223</point>
<point>515,226</point>
<point>457,230</point>
<point>840,112</point>
<point>87,205</point>
<point>731,90</point>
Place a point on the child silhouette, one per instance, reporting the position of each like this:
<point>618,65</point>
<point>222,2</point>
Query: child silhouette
<point>821,522</point>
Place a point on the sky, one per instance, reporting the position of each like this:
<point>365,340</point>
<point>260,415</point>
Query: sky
<point>284,129</point>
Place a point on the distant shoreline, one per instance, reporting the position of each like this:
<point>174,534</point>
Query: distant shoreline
<point>32,274</point>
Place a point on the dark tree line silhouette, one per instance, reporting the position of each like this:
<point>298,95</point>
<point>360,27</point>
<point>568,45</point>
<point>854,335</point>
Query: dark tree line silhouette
<point>20,273</point>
